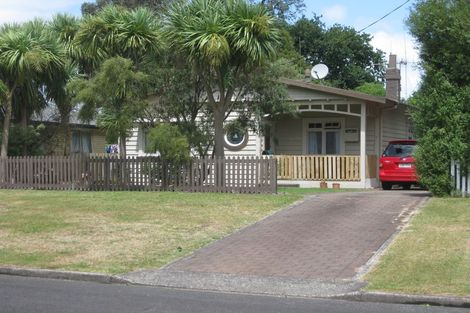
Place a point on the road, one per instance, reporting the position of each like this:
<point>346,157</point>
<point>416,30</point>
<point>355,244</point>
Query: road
<point>22,294</point>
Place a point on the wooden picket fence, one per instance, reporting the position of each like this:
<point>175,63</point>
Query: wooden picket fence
<point>105,173</point>
<point>460,178</point>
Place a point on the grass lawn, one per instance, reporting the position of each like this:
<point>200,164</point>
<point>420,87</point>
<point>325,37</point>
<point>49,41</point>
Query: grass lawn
<point>116,232</point>
<point>432,256</point>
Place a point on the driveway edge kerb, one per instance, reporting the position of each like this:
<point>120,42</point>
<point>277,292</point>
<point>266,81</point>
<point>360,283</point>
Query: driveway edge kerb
<point>397,298</point>
<point>379,297</point>
<point>67,275</point>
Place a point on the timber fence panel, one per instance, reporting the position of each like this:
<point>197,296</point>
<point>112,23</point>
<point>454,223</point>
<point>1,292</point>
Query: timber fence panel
<point>460,178</point>
<point>98,173</point>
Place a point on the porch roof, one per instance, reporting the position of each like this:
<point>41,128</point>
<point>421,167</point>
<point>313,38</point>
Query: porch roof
<point>338,92</point>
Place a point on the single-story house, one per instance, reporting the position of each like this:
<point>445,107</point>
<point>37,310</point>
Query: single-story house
<point>85,137</point>
<point>336,136</point>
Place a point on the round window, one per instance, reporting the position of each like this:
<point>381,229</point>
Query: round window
<point>236,139</point>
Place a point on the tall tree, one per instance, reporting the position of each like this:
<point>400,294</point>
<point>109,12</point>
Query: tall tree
<point>115,31</point>
<point>93,7</point>
<point>118,33</point>
<point>441,107</point>
<point>349,55</point>
<point>65,27</point>
<point>118,91</point>
<point>284,10</point>
<point>3,90</point>
<point>180,99</point>
<point>226,42</point>
<point>25,55</point>
<point>442,28</point>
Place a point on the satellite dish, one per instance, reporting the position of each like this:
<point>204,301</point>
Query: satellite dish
<point>319,71</point>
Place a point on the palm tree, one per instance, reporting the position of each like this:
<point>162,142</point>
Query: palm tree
<point>26,54</point>
<point>118,35</point>
<point>224,41</point>
<point>3,89</point>
<point>115,31</point>
<point>59,90</point>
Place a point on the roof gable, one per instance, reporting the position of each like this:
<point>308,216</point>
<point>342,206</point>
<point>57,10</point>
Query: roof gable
<point>314,91</point>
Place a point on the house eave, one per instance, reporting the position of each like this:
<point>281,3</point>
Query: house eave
<point>337,91</point>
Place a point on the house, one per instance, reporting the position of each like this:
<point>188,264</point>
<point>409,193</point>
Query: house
<point>85,137</point>
<point>336,136</point>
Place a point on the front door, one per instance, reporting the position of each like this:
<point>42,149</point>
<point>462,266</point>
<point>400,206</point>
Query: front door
<point>332,144</point>
<point>324,138</point>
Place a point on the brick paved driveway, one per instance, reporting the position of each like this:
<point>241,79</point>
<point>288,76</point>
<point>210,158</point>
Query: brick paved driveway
<point>327,237</point>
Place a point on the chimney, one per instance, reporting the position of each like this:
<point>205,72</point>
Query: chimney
<point>392,79</point>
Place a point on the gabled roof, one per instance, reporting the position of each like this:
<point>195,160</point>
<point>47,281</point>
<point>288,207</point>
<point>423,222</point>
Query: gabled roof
<point>337,91</point>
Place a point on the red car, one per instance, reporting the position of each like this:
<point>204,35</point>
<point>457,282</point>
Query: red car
<point>397,165</point>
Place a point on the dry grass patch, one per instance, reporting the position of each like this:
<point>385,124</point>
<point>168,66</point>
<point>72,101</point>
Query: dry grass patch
<point>432,256</point>
<point>116,232</point>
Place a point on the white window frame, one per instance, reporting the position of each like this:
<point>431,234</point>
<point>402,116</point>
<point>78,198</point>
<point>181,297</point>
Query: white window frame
<point>323,120</point>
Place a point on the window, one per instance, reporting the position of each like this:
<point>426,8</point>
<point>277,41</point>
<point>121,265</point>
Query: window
<point>315,125</point>
<point>144,139</point>
<point>332,125</point>
<point>324,137</point>
<point>81,142</point>
<point>236,138</point>
<point>402,150</point>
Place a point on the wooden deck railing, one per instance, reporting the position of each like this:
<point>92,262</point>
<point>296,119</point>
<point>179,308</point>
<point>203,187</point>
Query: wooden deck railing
<point>318,167</point>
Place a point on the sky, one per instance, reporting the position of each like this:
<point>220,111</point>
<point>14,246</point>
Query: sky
<point>389,35</point>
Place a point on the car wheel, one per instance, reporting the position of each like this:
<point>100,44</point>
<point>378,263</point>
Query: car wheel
<point>406,186</point>
<point>386,185</point>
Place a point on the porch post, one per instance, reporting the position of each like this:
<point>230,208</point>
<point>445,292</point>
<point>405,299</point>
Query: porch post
<point>363,161</point>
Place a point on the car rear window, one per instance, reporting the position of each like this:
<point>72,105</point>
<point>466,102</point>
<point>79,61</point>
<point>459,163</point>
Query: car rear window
<point>400,149</point>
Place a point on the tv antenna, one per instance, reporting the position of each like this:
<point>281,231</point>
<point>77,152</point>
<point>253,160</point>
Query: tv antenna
<point>319,71</point>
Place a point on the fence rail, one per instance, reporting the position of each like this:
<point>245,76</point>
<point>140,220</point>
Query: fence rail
<point>100,173</point>
<point>461,178</point>
<point>318,167</point>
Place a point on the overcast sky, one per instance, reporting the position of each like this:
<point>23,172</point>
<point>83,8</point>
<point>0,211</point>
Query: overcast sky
<point>389,35</point>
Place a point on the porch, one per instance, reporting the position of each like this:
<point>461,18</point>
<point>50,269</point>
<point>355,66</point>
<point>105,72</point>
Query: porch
<point>310,170</point>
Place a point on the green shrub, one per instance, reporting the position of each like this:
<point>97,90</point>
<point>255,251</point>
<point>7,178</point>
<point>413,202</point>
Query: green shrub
<point>173,148</point>
<point>25,141</point>
<point>442,121</point>
<point>169,142</point>
<point>433,162</point>
<point>374,89</point>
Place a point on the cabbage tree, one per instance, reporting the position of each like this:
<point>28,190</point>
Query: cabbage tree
<point>26,55</point>
<point>225,42</point>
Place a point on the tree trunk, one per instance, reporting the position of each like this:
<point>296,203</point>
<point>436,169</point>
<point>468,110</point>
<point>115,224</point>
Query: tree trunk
<point>24,117</point>
<point>67,143</point>
<point>122,146</point>
<point>219,169</point>
<point>66,129</point>
<point>219,115</point>
<point>6,124</point>
<point>24,126</point>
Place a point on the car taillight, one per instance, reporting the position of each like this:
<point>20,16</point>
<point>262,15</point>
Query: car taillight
<point>381,165</point>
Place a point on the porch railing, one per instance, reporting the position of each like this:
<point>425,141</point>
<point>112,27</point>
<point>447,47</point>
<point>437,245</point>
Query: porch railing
<point>318,167</point>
